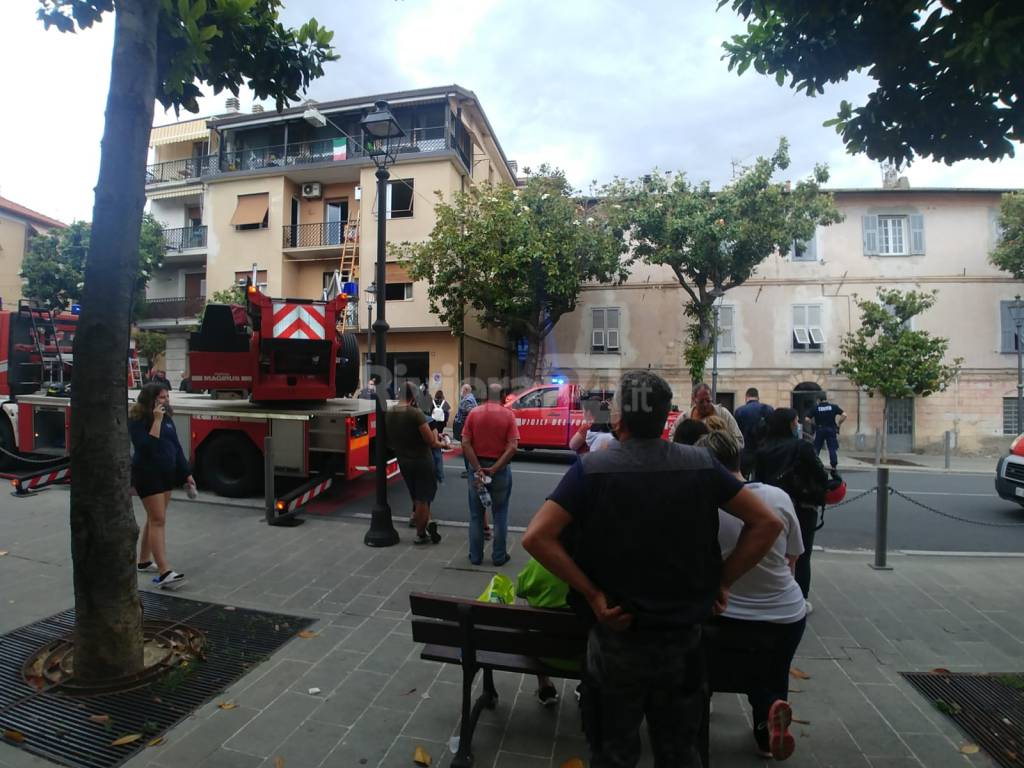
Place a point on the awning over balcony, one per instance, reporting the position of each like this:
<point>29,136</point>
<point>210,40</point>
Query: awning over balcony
<point>250,209</point>
<point>191,130</point>
<point>170,194</point>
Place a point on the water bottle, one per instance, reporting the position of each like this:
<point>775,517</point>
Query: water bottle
<point>484,494</point>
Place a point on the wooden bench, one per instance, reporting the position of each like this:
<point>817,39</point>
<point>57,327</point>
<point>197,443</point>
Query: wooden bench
<point>489,637</point>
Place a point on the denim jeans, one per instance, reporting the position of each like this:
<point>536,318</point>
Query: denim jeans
<point>438,464</point>
<point>500,489</point>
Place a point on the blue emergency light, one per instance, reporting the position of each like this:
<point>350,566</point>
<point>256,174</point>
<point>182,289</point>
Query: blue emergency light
<point>76,309</point>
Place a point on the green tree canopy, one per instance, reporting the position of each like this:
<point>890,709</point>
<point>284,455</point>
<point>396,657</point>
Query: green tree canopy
<point>887,357</point>
<point>515,257</point>
<point>54,264</point>
<point>1009,252</point>
<point>713,240</point>
<point>949,75</point>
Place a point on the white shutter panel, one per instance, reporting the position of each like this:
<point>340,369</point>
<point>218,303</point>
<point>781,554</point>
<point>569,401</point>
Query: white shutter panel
<point>870,230</point>
<point>916,234</point>
<point>611,324</point>
<point>597,335</point>
<point>811,254</point>
<point>1007,328</point>
<point>814,316</point>
<point>613,339</point>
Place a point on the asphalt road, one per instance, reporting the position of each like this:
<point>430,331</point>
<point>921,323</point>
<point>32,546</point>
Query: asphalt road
<point>851,526</point>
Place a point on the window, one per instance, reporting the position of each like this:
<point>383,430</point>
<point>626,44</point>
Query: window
<point>726,336</point>
<point>261,278</point>
<point>893,235</point>
<point>397,283</point>
<point>804,250</point>
<point>605,334</point>
<point>400,193</point>
<point>807,333</point>
<point>540,398</point>
<point>1007,329</point>
<point>397,291</point>
<point>252,212</point>
<point>1009,415</point>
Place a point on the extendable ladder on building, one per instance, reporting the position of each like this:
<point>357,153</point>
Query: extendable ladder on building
<point>47,345</point>
<point>134,371</point>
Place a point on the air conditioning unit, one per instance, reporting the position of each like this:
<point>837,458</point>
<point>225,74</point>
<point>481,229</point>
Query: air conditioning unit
<point>312,190</point>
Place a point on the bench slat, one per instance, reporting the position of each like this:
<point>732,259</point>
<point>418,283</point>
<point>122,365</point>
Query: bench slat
<point>500,662</point>
<point>491,615</point>
<point>501,640</point>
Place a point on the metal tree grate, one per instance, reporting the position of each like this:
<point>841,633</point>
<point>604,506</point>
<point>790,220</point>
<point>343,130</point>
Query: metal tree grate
<point>988,708</point>
<point>58,727</point>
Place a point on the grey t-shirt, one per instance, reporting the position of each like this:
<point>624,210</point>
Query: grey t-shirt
<point>403,425</point>
<point>768,591</point>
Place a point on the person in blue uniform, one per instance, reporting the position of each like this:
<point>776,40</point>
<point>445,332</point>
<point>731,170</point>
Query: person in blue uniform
<point>827,419</point>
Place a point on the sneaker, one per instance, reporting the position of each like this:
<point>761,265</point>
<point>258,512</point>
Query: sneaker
<point>412,522</point>
<point>435,537</point>
<point>578,691</point>
<point>464,474</point>
<point>780,741</point>
<point>420,539</point>
<point>810,608</point>
<point>762,741</point>
<point>487,533</point>
<point>499,563</point>
<point>147,567</point>
<point>169,580</point>
<point>547,696</point>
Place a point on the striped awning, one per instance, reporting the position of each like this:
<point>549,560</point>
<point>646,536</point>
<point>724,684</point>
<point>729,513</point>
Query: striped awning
<point>190,130</point>
<point>192,190</point>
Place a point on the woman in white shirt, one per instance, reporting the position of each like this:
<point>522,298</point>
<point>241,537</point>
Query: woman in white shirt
<point>766,610</point>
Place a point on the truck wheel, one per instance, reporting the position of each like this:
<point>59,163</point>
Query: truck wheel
<point>231,466</point>
<point>346,378</point>
<point>7,444</point>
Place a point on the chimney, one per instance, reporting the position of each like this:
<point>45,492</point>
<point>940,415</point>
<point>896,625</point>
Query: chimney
<point>257,108</point>
<point>233,105</point>
<point>902,183</point>
<point>889,174</point>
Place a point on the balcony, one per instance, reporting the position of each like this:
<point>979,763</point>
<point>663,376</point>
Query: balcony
<point>172,308</point>
<point>190,169</point>
<point>185,238</point>
<point>293,154</point>
<point>322,235</point>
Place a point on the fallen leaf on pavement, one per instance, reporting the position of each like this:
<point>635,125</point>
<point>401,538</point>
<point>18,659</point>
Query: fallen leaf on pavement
<point>969,749</point>
<point>101,719</point>
<point>420,757</point>
<point>573,762</point>
<point>156,742</point>
<point>410,692</point>
<point>308,633</point>
<point>278,762</point>
<point>227,705</point>
<point>131,737</point>
<point>939,671</point>
<point>796,690</point>
<point>802,722</point>
<point>799,674</point>
<point>16,736</point>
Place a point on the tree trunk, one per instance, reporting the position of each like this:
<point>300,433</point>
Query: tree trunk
<point>108,627</point>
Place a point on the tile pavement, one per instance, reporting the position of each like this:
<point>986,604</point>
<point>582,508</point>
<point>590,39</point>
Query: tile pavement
<point>378,700</point>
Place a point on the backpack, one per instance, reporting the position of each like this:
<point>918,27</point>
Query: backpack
<point>798,485</point>
<point>438,413</point>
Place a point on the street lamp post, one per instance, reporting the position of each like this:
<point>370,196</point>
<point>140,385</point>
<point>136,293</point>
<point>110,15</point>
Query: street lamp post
<point>382,134</point>
<point>371,293</point>
<point>716,296</point>
<point>1017,313</point>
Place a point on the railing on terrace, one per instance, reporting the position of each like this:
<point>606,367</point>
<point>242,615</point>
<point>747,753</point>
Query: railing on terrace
<point>316,235</point>
<point>181,170</point>
<point>331,150</point>
<point>165,309</point>
<point>183,238</point>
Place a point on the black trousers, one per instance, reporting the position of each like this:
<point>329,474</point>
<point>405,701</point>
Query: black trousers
<point>808,517</point>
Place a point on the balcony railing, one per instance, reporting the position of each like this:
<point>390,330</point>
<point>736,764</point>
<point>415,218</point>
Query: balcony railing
<point>182,238</point>
<point>166,309</point>
<point>181,170</point>
<point>309,152</point>
<point>322,234</point>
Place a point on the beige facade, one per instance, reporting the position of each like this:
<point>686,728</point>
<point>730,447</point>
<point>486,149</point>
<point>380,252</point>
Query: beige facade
<point>943,238</point>
<point>318,189</point>
<point>17,225</point>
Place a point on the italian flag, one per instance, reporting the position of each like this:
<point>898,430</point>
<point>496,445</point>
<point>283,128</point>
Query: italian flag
<point>340,149</point>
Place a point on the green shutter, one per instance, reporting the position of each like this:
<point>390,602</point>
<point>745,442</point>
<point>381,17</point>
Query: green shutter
<point>870,230</point>
<point>916,234</point>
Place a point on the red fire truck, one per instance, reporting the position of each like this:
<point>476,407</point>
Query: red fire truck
<point>276,368</point>
<point>548,415</point>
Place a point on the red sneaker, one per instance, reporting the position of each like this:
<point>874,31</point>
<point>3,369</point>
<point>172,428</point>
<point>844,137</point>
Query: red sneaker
<point>780,741</point>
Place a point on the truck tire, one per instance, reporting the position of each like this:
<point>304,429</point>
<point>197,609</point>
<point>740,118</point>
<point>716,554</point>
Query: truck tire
<point>7,444</point>
<point>346,378</point>
<point>231,466</point>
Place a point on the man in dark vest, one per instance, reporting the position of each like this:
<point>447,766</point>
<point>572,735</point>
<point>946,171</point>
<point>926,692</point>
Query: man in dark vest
<point>646,563</point>
<point>828,417</point>
<point>751,419</point>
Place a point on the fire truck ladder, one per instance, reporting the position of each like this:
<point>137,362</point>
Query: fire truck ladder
<point>44,338</point>
<point>134,371</point>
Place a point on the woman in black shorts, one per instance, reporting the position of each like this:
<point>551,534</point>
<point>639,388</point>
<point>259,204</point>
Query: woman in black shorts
<point>158,465</point>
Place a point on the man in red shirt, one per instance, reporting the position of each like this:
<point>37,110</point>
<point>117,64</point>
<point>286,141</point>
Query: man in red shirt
<point>489,441</point>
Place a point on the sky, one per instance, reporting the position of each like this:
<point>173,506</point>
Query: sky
<point>600,88</point>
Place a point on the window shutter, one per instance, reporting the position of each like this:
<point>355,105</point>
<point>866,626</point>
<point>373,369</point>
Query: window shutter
<point>814,316</point>
<point>611,329</point>
<point>916,233</point>
<point>799,315</point>
<point>811,252</point>
<point>726,339</point>
<point>597,335</point>
<point>870,229</point>
<point>1007,328</point>
<point>613,338</point>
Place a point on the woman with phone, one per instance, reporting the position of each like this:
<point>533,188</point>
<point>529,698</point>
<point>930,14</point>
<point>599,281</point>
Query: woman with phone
<point>158,465</point>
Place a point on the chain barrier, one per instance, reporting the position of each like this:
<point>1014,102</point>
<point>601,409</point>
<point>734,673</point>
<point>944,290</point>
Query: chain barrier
<point>852,499</point>
<point>915,502</point>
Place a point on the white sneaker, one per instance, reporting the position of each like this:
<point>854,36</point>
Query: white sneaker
<point>148,567</point>
<point>810,608</point>
<point>170,580</point>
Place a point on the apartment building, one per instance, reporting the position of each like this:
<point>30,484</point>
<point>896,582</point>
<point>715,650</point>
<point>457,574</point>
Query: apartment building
<point>17,225</point>
<point>297,201</point>
<point>780,332</point>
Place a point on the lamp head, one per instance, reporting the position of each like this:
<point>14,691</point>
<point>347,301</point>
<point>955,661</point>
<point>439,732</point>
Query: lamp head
<point>383,134</point>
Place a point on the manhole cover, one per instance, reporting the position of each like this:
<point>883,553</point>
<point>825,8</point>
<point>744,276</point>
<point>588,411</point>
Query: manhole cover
<point>97,729</point>
<point>988,708</point>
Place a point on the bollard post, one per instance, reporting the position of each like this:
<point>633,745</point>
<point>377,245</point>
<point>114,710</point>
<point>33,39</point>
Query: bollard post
<point>947,439</point>
<point>878,447</point>
<point>881,520</point>
<point>268,479</point>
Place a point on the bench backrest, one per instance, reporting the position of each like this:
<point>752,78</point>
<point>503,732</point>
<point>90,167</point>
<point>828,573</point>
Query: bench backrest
<point>519,629</point>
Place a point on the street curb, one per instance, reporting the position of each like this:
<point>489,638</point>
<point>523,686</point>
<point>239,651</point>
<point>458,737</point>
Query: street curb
<point>920,470</point>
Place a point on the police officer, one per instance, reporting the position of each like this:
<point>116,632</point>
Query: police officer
<point>827,419</point>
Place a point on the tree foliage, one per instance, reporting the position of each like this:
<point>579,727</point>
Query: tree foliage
<point>515,257</point>
<point>714,240</point>
<point>54,263</point>
<point>150,344</point>
<point>225,43</point>
<point>1009,252</point>
<point>885,356</point>
<point>949,76</point>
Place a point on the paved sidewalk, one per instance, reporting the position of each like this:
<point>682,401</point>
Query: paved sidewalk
<point>378,700</point>
<point>920,462</point>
